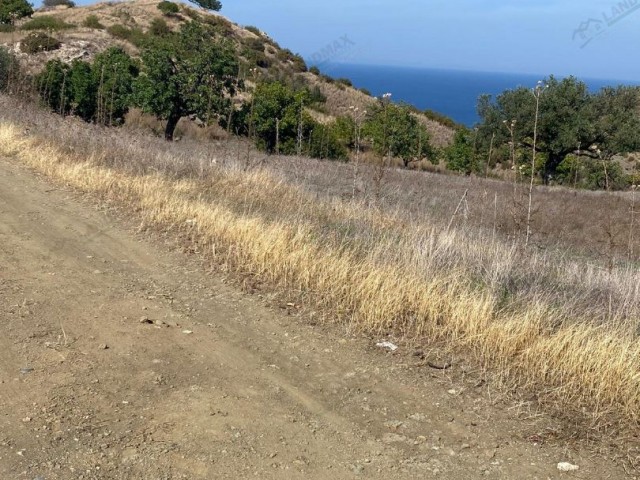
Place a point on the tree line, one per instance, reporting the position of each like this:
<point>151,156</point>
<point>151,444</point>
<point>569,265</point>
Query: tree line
<point>578,133</point>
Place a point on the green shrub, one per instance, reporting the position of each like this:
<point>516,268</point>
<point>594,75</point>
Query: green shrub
<point>327,78</point>
<point>11,10</point>
<point>6,28</point>
<point>256,44</point>
<point>159,28</point>
<point>133,35</point>
<point>287,56</point>
<point>191,13</point>
<point>168,8</point>
<point>254,30</point>
<point>366,91</point>
<point>344,81</point>
<point>315,70</point>
<point>46,22</point>
<point>92,21</point>
<point>39,42</point>
<point>55,3</point>
<point>221,25</point>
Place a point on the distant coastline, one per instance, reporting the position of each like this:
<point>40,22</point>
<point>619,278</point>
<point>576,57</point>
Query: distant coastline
<point>453,93</point>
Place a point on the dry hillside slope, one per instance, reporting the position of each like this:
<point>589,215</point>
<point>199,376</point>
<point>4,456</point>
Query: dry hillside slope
<point>80,42</point>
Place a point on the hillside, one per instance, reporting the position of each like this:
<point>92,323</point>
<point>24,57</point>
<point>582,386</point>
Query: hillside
<point>120,23</point>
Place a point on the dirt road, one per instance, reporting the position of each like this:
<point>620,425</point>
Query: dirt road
<point>120,359</point>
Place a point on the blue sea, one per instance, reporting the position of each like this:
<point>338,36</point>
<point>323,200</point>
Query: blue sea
<point>451,92</point>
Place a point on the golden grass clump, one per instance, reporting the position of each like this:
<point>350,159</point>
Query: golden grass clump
<point>378,270</point>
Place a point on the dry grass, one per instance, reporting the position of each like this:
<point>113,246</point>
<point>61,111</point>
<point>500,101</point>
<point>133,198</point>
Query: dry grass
<point>546,322</point>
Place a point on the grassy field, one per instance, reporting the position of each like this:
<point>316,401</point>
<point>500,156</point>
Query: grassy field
<point>413,256</point>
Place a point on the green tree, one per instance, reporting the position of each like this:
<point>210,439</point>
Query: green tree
<point>396,131</point>
<point>277,118</point>
<point>460,155</point>
<point>113,75</point>
<point>55,86</point>
<point>571,120</point>
<point>82,90</point>
<point>98,92</point>
<point>190,73</point>
<point>12,10</point>
<point>328,141</point>
<point>616,120</point>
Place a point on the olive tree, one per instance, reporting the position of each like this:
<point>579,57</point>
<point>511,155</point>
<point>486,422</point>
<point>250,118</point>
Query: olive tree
<point>189,73</point>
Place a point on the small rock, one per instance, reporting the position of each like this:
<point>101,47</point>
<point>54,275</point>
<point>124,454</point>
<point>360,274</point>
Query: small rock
<point>394,425</point>
<point>418,417</point>
<point>145,320</point>
<point>187,332</point>
<point>393,438</point>
<point>567,467</point>
<point>388,345</point>
<point>26,419</point>
<point>103,346</point>
<point>465,446</point>
<point>160,323</point>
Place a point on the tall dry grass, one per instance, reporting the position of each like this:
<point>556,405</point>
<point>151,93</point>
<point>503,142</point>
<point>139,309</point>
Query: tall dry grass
<point>551,323</point>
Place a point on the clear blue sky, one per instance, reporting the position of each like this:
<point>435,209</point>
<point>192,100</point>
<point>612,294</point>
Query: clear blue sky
<point>523,36</point>
<point>520,36</point>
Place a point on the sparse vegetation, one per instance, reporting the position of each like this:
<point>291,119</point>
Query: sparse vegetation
<point>535,318</point>
<point>46,22</point>
<point>254,30</point>
<point>92,21</point>
<point>9,68</point>
<point>133,35</point>
<point>39,42</point>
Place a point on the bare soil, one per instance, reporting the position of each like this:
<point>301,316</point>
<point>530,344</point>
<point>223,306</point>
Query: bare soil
<point>121,358</point>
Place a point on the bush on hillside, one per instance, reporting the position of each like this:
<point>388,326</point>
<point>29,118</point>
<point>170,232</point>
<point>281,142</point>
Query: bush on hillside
<point>134,35</point>
<point>191,13</point>
<point>92,21</point>
<point>56,3</point>
<point>46,22</point>
<point>168,8</point>
<point>254,30</point>
<point>39,42</point>
<point>256,44</point>
<point>159,28</point>
<point>315,70</point>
